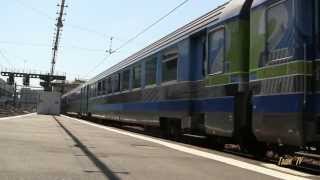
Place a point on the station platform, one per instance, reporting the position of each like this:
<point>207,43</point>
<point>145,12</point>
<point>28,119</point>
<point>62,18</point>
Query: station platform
<point>36,147</point>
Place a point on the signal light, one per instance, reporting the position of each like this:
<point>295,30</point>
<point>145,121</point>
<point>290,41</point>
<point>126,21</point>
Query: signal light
<point>10,80</point>
<point>26,80</point>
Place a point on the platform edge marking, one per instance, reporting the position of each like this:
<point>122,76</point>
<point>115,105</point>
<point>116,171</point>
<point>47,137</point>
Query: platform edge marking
<point>15,117</point>
<point>219,158</point>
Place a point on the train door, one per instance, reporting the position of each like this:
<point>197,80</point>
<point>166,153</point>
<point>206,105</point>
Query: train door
<point>87,100</point>
<point>315,98</point>
<point>316,26</point>
<point>84,100</point>
<point>198,68</point>
<point>82,95</point>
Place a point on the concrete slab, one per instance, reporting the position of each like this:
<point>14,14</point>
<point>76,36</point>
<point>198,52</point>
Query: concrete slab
<point>46,147</point>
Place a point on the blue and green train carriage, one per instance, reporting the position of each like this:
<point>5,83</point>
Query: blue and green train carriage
<point>247,72</point>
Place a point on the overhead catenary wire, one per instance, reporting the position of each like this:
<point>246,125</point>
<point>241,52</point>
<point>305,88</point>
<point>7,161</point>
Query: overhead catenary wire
<point>89,30</point>
<point>101,34</point>
<point>15,56</point>
<point>42,13</point>
<point>70,25</point>
<point>22,59</point>
<point>18,43</point>
<point>125,43</point>
<point>97,65</point>
<point>144,30</point>
<point>5,58</point>
<point>151,25</point>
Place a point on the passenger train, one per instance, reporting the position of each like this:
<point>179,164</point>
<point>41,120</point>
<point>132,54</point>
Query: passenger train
<point>246,72</point>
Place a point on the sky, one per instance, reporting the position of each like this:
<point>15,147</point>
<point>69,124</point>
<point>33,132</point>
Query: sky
<point>27,32</point>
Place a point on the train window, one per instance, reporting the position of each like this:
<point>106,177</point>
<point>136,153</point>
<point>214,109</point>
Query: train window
<point>216,51</point>
<point>136,76</point>
<point>99,88</point>
<point>279,33</point>
<point>95,89</point>
<point>109,85</point>
<point>103,88</point>
<point>89,91</point>
<point>92,91</point>
<point>204,56</point>
<point>170,66</point>
<point>151,71</point>
<point>125,80</point>
<point>116,83</point>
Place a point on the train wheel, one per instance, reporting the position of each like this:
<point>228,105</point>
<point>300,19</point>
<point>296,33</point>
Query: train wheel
<point>175,128</point>
<point>171,128</point>
<point>215,142</point>
<point>257,149</point>
<point>249,143</point>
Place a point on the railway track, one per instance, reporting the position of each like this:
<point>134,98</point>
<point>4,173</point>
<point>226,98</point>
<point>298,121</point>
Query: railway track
<point>300,161</point>
<point>6,111</point>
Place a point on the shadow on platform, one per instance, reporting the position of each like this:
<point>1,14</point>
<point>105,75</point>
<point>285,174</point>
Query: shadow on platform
<point>98,163</point>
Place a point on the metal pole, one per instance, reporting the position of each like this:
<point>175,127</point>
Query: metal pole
<point>305,69</point>
<point>59,26</point>
<point>15,94</point>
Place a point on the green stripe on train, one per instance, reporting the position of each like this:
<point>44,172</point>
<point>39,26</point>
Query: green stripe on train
<point>291,68</point>
<point>223,79</point>
<point>217,79</point>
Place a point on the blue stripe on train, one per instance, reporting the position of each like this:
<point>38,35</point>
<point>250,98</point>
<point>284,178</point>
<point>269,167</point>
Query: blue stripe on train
<point>225,104</point>
<point>150,106</point>
<point>278,103</point>
<point>272,103</point>
<point>314,105</point>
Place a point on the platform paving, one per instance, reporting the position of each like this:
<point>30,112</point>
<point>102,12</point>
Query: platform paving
<point>59,148</point>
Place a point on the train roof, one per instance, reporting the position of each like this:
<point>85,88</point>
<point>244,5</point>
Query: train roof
<point>223,12</point>
<point>258,3</point>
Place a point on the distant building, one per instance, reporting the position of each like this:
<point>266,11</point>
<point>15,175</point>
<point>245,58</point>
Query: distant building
<point>6,92</point>
<point>64,87</point>
<point>29,96</point>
